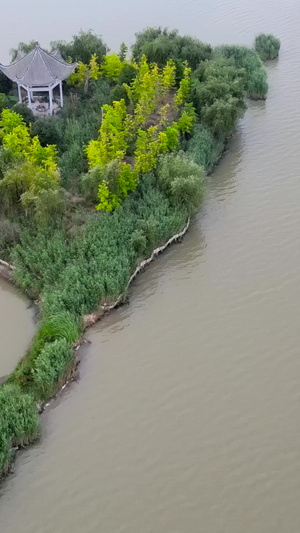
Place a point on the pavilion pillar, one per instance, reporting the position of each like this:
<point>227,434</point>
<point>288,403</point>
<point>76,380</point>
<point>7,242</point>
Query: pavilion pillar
<point>19,94</point>
<point>61,95</point>
<point>29,98</point>
<point>51,100</point>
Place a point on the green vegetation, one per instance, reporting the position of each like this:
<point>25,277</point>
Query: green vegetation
<point>89,193</point>
<point>267,46</point>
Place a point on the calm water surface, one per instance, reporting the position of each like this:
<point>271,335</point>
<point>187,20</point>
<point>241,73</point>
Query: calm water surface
<point>16,327</point>
<point>186,416</point>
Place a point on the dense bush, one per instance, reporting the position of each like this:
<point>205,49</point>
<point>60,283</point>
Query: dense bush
<point>49,131</point>
<point>82,47</point>
<point>267,46</point>
<point>245,58</point>
<point>181,179</point>
<point>25,112</point>
<point>160,45</point>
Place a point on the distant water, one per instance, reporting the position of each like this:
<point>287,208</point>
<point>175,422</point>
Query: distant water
<point>186,416</point>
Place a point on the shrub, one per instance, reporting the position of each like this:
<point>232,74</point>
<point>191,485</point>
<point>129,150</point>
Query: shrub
<point>181,179</point>
<point>247,59</point>
<point>26,183</point>
<point>48,130</point>
<point>25,112</point>
<point>267,46</point>
<point>128,74</point>
<point>119,93</point>
<point>3,101</point>
<point>112,67</point>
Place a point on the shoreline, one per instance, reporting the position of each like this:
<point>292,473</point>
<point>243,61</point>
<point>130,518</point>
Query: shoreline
<point>89,320</point>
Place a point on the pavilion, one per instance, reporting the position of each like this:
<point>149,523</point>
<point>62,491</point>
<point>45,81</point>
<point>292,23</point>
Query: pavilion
<point>39,71</point>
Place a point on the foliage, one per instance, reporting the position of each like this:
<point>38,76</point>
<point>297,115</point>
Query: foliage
<point>5,83</point>
<point>123,51</point>
<point>149,144</point>
<point>84,73</point>
<point>184,86</point>
<point>181,179</point>
<point>128,73</point>
<point>218,94</point>
<point>160,45</point>
<point>245,58</point>
<point>23,48</point>
<point>267,46</point>
<point>37,189</point>
<point>112,66</point>
<point>95,266</point>
<point>24,111</point>
<point>187,119</point>
<point>3,101</point>
<point>109,184</point>
<point>112,136</point>
<point>48,130</point>
<point>15,138</point>
<point>19,423</point>
<point>204,148</point>
<point>82,47</point>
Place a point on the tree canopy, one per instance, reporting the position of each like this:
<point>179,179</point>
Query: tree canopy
<point>160,45</point>
<point>81,47</point>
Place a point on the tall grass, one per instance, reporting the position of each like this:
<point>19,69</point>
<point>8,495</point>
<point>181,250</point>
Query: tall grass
<point>19,422</point>
<point>204,148</point>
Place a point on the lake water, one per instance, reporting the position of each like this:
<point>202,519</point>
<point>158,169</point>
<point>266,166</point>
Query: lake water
<point>16,327</point>
<point>186,415</point>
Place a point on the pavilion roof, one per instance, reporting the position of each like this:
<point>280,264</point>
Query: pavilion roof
<point>38,68</point>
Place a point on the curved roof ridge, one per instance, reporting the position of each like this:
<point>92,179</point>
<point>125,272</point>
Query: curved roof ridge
<point>41,50</point>
<point>26,70</point>
<point>38,68</point>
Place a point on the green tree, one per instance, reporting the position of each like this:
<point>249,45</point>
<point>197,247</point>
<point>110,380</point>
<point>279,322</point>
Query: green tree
<point>123,51</point>
<point>23,48</point>
<point>82,47</point>
<point>160,45</point>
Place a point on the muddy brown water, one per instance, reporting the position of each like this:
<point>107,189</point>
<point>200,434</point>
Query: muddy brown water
<point>16,327</point>
<point>187,414</point>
